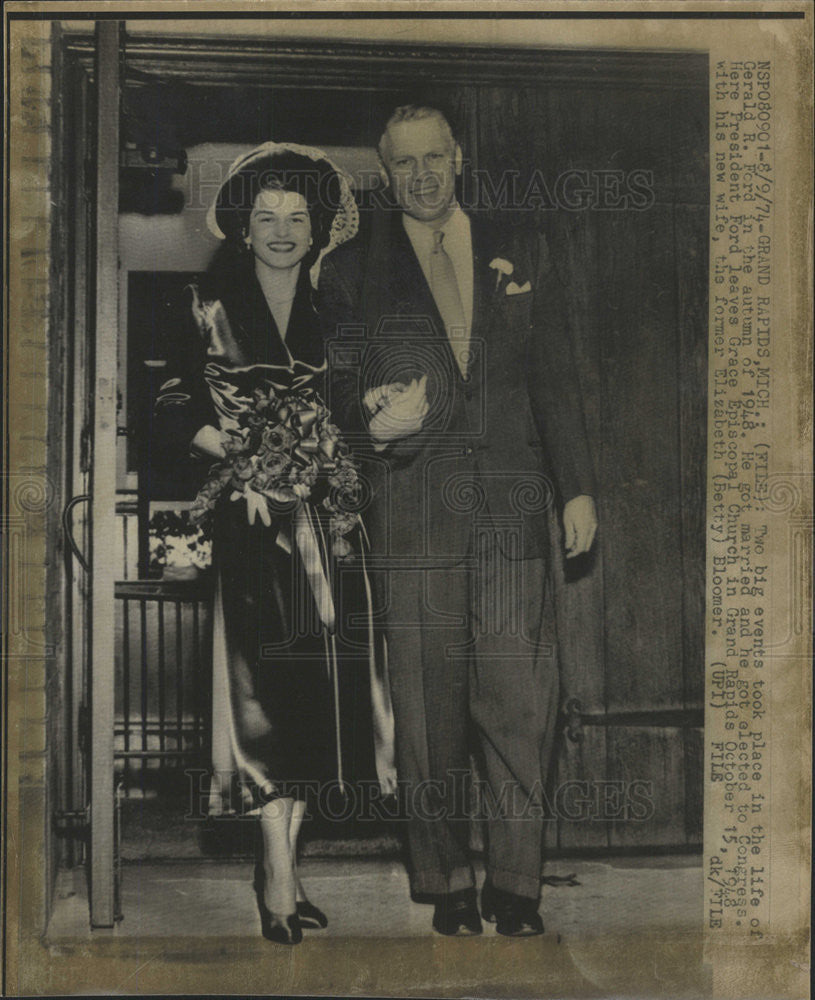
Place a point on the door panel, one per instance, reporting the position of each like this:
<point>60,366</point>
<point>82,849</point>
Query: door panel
<point>648,764</point>
<point>630,617</point>
<point>638,462</point>
<point>574,792</point>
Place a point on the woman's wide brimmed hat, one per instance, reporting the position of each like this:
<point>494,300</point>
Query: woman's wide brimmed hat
<point>345,223</point>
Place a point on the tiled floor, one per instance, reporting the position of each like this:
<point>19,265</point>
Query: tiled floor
<point>370,899</point>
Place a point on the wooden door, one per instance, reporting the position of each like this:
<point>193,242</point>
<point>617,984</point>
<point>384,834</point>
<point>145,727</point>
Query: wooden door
<point>631,614</point>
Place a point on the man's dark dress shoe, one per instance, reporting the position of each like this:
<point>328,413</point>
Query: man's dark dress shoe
<point>513,916</point>
<point>457,913</point>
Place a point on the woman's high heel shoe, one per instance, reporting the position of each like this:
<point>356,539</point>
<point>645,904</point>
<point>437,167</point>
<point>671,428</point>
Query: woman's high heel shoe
<point>311,916</point>
<point>281,930</point>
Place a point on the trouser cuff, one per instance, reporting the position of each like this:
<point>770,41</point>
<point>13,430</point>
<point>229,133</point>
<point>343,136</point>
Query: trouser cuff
<point>516,883</point>
<point>430,883</point>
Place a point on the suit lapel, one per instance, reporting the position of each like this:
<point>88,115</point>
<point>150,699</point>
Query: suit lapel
<point>409,288</point>
<point>484,297</point>
<point>484,284</point>
<point>303,338</point>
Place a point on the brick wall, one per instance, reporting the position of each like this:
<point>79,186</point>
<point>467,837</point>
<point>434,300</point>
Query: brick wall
<point>31,502</point>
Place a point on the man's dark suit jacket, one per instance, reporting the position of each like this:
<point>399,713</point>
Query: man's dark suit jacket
<point>499,446</point>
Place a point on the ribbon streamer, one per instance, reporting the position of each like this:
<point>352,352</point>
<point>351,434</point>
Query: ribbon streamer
<point>306,540</point>
<point>379,681</point>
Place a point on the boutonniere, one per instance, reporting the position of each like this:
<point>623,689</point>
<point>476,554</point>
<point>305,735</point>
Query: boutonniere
<point>503,268</point>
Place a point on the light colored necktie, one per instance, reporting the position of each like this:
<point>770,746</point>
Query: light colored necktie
<point>445,291</point>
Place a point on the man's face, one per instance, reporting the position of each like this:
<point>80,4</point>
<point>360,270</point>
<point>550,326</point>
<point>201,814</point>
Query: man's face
<point>422,164</point>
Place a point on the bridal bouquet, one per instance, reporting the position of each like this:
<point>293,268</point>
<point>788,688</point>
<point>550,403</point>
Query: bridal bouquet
<point>284,451</point>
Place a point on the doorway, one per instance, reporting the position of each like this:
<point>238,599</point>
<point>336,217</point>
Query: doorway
<point>632,614</point>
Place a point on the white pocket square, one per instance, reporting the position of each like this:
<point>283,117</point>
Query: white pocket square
<point>513,289</point>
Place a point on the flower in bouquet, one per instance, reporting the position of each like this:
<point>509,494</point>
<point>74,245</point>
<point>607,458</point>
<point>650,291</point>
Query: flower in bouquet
<point>344,477</point>
<point>284,451</point>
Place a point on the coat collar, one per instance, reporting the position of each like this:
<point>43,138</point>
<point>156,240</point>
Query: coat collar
<point>484,297</point>
<point>255,329</point>
<point>409,288</point>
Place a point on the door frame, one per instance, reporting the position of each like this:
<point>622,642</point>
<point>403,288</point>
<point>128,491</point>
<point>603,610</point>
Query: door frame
<point>273,64</point>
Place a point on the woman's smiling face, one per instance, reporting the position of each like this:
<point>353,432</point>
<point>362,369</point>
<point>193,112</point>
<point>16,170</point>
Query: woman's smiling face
<point>279,228</point>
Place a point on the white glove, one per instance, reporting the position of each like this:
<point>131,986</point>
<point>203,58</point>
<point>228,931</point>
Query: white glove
<point>398,410</point>
<point>256,504</point>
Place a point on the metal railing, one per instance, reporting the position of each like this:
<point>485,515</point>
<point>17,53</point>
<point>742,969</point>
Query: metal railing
<point>163,677</point>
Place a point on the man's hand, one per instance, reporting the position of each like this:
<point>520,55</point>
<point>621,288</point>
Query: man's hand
<point>399,410</point>
<point>579,525</point>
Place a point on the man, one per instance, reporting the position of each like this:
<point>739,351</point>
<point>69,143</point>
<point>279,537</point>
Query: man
<point>465,386</point>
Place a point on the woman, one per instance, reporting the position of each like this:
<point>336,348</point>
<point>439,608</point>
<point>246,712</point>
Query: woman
<point>279,687</point>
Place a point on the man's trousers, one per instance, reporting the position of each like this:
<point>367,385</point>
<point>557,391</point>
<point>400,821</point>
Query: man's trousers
<point>473,644</point>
